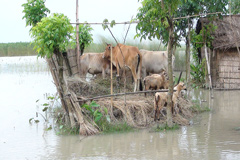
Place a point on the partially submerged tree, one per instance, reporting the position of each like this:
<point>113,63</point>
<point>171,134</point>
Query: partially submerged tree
<point>51,37</point>
<point>156,21</point>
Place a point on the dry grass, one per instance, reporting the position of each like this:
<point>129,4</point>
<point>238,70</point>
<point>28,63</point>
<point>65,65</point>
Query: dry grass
<point>138,111</point>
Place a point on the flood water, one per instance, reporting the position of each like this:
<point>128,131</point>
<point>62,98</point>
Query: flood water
<point>24,80</point>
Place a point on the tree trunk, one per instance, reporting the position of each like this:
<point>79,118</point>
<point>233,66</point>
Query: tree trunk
<point>170,74</point>
<point>188,54</point>
<point>63,88</point>
<point>67,63</point>
<point>187,57</point>
<point>82,46</point>
<point>68,98</point>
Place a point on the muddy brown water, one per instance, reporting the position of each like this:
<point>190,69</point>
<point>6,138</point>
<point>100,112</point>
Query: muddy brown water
<point>24,80</point>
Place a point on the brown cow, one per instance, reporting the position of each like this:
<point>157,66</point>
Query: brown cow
<point>132,58</point>
<point>93,63</point>
<point>154,61</point>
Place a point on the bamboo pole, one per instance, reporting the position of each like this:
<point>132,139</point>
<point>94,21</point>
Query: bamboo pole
<point>208,68</point>
<point>129,22</point>
<point>123,94</point>
<point>77,37</point>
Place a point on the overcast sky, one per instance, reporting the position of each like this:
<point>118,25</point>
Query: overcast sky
<point>13,27</point>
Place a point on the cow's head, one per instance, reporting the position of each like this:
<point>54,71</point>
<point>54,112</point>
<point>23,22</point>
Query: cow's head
<point>107,51</point>
<point>164,73</point>
<point>181,86</point>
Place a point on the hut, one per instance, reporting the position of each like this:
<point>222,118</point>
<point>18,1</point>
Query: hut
<point>224,56</point>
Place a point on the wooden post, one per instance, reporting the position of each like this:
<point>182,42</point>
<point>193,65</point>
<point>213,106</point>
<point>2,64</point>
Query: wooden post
<point>111,78</point>
<point>77,38</point>
<point>208,68</point>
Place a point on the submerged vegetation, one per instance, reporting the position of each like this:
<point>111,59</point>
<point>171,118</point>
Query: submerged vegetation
<point>165,127</point>
<point>198,108</point>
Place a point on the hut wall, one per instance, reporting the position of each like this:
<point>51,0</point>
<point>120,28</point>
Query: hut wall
<point>225,65</point>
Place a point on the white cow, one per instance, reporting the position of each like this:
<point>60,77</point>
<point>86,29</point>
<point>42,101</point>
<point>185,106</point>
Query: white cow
<point>154,61</point>
<point>93,63</point>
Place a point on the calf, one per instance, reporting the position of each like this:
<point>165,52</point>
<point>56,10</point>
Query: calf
<point>160,100</point>
<point>156,81</point>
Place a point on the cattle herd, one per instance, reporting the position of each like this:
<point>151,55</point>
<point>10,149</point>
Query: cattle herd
<point>141,63</point>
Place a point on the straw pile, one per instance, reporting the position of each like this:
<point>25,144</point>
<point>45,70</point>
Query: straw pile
<point>138,111</point>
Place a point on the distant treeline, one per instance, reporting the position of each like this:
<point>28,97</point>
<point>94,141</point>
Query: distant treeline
<point>26,49</point>
<point>16,49</point>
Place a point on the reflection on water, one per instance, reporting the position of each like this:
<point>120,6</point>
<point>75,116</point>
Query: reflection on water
<point>212,135</point>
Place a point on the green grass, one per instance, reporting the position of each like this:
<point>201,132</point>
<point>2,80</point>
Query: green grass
<point>119,127</point>
<point>165,127</point>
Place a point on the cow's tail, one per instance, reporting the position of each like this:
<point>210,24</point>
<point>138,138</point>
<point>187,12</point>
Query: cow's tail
<point>138,63</point>
<point>138,71</point>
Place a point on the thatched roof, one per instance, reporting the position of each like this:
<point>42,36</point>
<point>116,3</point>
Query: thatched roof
<point>227,34</point>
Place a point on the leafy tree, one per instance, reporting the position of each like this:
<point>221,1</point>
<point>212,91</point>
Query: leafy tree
<point>85,37</point>
<point>34,11</point>
<point>156,21</point>
<point>51,35</point>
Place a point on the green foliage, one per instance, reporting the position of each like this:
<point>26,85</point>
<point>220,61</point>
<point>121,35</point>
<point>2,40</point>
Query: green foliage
<point>198,72</point>
<point>212,6</point>
<point>85,37</point>
<point>46,111</point>
<point>51,35</point>
<point>235,6</point>
<point>205,35</point>
<point>154,18</point>
<point>105,24</point>
<point>34,11</point>
<point>102,119</point>
<point>94,110</point>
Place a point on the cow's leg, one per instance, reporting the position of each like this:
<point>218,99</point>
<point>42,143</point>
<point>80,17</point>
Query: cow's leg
<point>146,88</point>
<point>144,72</point>
<point>156,100</point>
<point>135,79</point>
<point>118,75</point>
<point>103,73</point>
